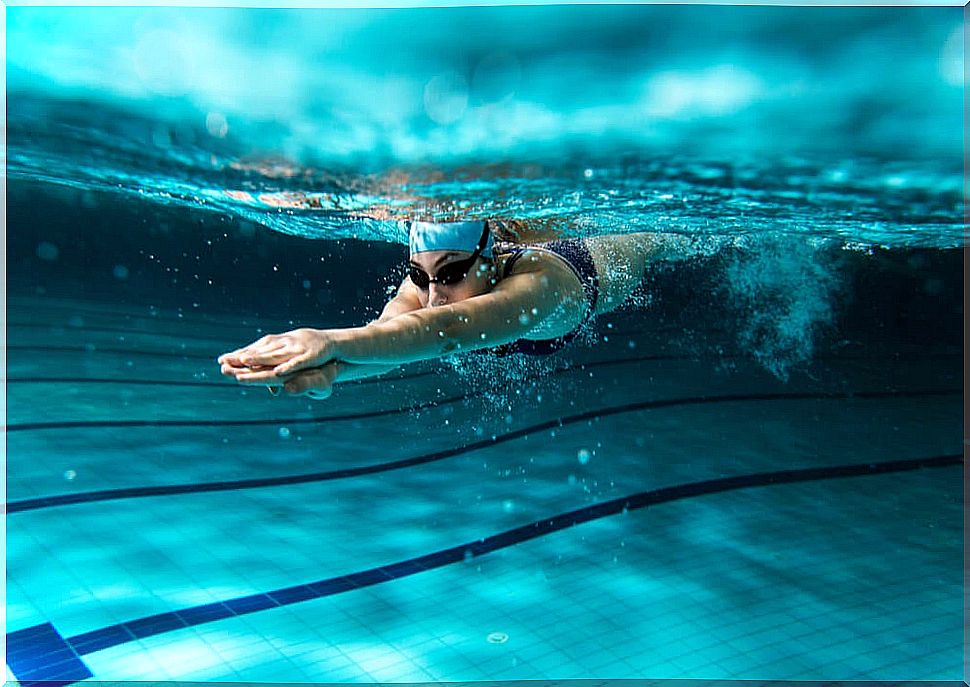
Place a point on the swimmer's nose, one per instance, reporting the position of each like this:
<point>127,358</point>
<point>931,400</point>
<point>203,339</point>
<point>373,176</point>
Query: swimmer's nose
<point>436,297</point>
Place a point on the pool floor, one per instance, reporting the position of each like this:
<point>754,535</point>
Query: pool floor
<point>629,509</point>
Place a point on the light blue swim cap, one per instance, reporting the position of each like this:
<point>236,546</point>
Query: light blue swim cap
<point>463,236</point>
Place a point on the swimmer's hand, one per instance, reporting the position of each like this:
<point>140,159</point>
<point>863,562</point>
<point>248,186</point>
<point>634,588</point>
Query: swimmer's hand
<point>276,355</point>
<point>317,382</point>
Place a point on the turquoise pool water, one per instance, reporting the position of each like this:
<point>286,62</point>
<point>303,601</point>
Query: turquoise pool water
<point>751,471</point>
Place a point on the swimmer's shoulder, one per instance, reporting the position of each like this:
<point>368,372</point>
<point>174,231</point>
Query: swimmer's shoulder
<point>515,258</point>
<point>535,259</point>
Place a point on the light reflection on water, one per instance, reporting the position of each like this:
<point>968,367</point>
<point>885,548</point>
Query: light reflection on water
<point>716,121</point>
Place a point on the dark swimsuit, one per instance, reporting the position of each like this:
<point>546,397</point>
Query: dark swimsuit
<point>576,255</point>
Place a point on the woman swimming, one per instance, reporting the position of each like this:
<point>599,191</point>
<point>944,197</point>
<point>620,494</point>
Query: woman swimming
<point>464,291</point>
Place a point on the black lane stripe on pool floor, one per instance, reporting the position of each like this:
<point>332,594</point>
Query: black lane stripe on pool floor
<point>225,384</point>
<point>172,382</point>
<point>25,657</point>
<point>578,366</point>
<point>167,490</point>
<point>115,424</point>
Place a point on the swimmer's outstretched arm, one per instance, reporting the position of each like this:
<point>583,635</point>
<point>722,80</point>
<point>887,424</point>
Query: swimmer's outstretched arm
<point>514,307</point>
<point>500,316</point>
<point>319,380</point>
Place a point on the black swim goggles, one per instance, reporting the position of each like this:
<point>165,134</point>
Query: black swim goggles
<point>449,274</point>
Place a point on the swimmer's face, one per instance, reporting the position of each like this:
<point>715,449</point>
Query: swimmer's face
<point>478,280</point>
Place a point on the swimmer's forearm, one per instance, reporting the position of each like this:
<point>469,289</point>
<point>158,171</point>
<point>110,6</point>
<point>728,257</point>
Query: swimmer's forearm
<point>511,310</point>
<point>423,335</point>
<point>391,343</point>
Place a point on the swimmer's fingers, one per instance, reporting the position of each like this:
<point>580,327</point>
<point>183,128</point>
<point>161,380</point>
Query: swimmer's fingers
<point>310,348</point>
<point>256,354</point>
<point>249,357</point>
<point>293,351</point>
<point>231,358</point>
<point>235,357</point>
<point>271,357</point>
<point>263,375</point>
<point>281,348</point>
<point>300,362</point>
<point>235,370</point>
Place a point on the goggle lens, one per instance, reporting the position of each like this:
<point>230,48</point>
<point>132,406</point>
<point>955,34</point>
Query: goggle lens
<point>452,273</point>
<point>418,277</point>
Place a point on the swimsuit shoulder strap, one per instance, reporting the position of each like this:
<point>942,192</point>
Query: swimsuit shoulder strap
<point>513,251</point>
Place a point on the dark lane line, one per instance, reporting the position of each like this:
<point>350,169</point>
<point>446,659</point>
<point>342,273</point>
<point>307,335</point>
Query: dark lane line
<point>101,424</point>
<point>118,351</point>
<point>214,385</point>
<point>233,330</point>
<point>34,426</point>
<point>42,653</point>
<point>160,317</point>
<point>375,380</point>
<point>75,424</point>
<point>229,385</point>
<point>578,366</point>
<point>65,328</point>
<point>166,490</point>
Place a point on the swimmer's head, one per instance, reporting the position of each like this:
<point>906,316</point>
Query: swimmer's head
<point>450,261</point>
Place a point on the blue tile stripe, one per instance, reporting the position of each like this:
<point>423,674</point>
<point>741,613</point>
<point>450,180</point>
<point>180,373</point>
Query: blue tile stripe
<point>170,490</point>
<point>39,655</point>
<point>43,653</point>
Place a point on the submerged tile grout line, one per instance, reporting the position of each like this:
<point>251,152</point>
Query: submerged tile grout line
<point>405,377</point>
<point>228,485</point>
<point>609,362</point>
<point>186,355</point>
<point>164,317</point>
<point>81,424</point>
<point>40,655</point>
<point>102,424</point>
<point>119,351</point>
<point>400,378</point>
<point>64,328</point>
<point>233,329</point>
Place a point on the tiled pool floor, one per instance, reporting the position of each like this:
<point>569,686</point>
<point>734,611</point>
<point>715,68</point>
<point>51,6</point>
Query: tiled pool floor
<point>723,568</point>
